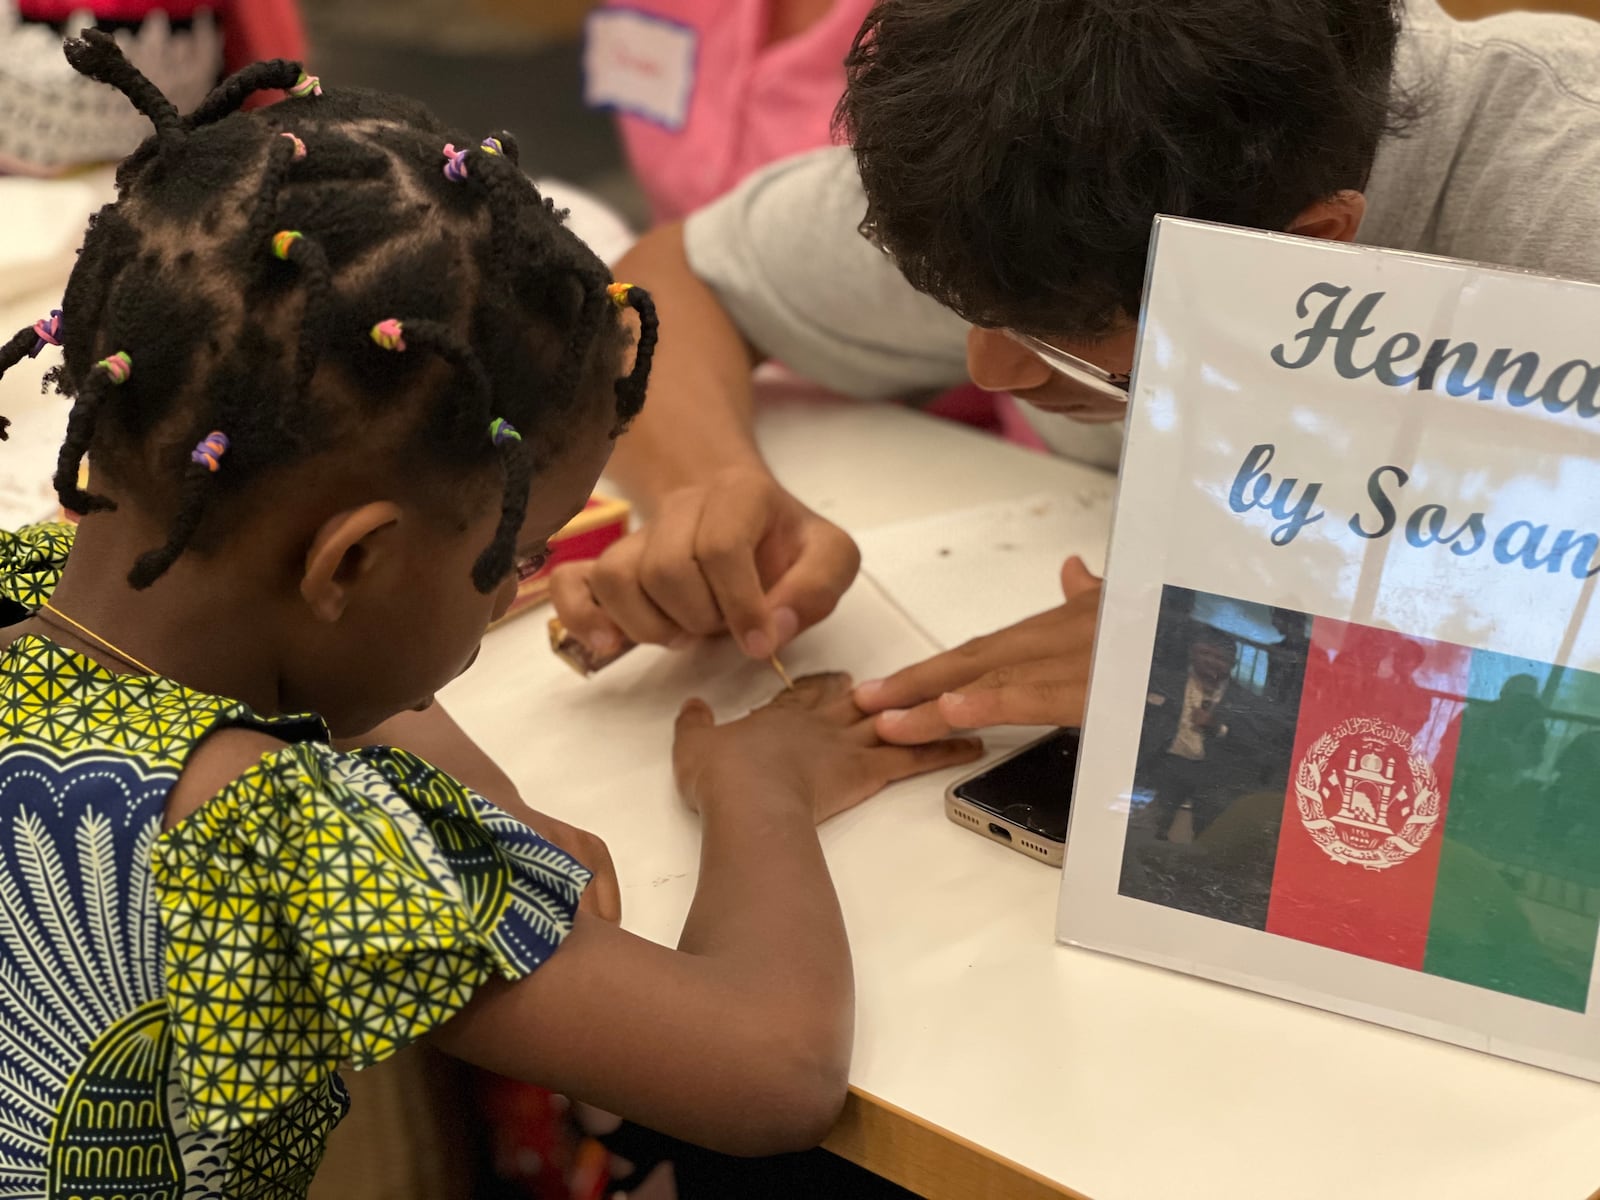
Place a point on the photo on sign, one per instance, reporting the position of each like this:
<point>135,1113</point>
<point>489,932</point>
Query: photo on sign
<point>1406,800</point>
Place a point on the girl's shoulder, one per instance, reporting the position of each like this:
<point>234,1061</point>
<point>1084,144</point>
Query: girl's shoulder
<point>355,899</point>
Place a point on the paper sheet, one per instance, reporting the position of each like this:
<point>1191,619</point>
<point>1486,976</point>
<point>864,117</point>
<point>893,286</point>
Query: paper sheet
<point>957,575</point>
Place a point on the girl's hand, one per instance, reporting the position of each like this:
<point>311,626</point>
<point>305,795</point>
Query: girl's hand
<point>811,745</point>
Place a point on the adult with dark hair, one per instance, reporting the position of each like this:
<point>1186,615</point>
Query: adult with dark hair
<point>1008,161</point>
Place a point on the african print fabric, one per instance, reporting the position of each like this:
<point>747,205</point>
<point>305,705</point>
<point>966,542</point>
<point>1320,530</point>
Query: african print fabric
<point>173,1005</point>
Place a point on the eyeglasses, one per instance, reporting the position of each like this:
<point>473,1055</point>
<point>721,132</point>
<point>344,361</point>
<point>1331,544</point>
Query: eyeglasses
<point>1097,379</point>
<point>1086,374</point>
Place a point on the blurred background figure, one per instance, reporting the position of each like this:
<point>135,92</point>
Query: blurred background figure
<point>53,120</point>
<point>707,91</point>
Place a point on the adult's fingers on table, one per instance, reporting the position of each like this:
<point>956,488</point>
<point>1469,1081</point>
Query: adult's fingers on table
<point>1030,640</point>
<point>912,726</point>
<point>1047,701</point>
<point>579,611</point>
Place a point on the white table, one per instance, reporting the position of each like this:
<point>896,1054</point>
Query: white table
<point>990,1061</point>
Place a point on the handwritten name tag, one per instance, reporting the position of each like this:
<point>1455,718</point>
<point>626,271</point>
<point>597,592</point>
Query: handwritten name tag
<point>641,64</point>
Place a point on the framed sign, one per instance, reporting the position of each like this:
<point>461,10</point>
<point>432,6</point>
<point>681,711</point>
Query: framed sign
<point>1343,736</point>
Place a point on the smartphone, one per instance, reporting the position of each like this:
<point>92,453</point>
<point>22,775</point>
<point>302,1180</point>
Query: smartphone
<point>1023,800</point>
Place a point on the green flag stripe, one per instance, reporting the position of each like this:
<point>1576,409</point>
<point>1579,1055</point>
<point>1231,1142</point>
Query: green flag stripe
<point>1516,905</point>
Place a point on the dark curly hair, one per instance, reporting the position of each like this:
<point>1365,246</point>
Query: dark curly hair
<point>1015,152</point>
<point>243,304</point>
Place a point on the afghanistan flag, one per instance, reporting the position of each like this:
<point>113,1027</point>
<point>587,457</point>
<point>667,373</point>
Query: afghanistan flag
<point>1411,801</point>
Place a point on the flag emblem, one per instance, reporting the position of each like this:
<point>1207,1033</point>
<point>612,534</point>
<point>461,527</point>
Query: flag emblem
<point>1364,796</point>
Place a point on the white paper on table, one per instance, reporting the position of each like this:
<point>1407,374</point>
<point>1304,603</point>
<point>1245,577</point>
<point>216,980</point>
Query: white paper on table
<point>598,751</point>
<point>959,574</point>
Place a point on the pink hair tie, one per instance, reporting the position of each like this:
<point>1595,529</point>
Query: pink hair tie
<point>306,85</point>
<point>119,367</point>
<point>299,146</point>
<point>455,167</point>
<point>48,331</point>
<point>389,335</point>
<point>209,452</point>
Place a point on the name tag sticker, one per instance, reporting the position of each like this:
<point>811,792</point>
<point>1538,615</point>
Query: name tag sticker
<point>640,64</point>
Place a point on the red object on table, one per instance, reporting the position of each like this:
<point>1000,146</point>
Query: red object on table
<point>603,521</point>
<point>251,29</point>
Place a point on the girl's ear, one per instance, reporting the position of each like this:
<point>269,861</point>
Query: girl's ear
<point>349,548</point>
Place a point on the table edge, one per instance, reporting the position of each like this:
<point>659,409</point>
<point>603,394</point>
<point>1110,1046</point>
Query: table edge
<point>929,1160</point>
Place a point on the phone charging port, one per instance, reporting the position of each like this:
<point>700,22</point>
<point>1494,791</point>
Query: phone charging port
<point>1000,831</point>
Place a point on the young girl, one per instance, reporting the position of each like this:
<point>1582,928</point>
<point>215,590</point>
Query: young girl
<point>341,373</point>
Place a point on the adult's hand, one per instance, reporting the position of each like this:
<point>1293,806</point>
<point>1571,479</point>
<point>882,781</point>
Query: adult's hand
<point>737,554</point>
<point>1033,673</point>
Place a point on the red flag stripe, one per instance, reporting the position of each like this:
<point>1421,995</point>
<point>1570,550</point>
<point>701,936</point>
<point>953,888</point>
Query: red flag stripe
<point>1369,787</point>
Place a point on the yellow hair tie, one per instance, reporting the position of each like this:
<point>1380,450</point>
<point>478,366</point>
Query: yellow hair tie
<point>619,293</point>
<point>282,240</point>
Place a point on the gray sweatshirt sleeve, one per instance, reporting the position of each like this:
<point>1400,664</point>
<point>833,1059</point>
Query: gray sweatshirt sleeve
<point>783,256</point>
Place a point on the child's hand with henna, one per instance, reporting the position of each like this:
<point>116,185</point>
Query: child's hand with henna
<point>812,745</point>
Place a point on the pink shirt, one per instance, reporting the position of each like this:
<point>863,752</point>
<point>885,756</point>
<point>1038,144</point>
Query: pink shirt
<point>749,104</point>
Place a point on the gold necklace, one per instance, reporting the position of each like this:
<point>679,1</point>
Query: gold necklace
<point>95,637</point>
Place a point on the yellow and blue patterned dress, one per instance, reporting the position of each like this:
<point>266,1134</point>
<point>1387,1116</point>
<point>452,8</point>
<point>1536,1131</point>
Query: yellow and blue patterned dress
<point>173,1004</point>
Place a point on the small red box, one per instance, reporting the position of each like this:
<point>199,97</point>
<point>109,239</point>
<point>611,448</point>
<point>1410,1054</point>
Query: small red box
<point>604,520</point>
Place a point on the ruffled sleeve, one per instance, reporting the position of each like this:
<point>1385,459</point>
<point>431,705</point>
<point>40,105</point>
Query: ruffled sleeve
<point>31,562</point>
<point>331,906</point>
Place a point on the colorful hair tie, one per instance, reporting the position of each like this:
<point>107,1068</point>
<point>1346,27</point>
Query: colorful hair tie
<point>492,145</point>
<point>283,241</point>
<point>299,146</point>
<point>48,331</point>
<point>455,167</point>
<point>209,452</point>
<point>502,431</point>
<point>306,85</point>
<point>389,334</point>
<point>619,293</point>
<point>119,367</point>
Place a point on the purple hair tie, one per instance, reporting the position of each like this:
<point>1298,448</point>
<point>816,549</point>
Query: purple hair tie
<point>209,451</point>
<point>455,167</point>
<point>47,331</point>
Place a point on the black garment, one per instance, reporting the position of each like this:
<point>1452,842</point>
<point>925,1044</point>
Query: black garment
<point>1232,764</point>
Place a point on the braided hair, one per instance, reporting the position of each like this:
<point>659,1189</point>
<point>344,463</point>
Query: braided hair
<point>325,274</point>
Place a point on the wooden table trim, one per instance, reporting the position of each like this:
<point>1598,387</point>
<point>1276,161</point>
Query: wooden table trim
<point>932,1162</point>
